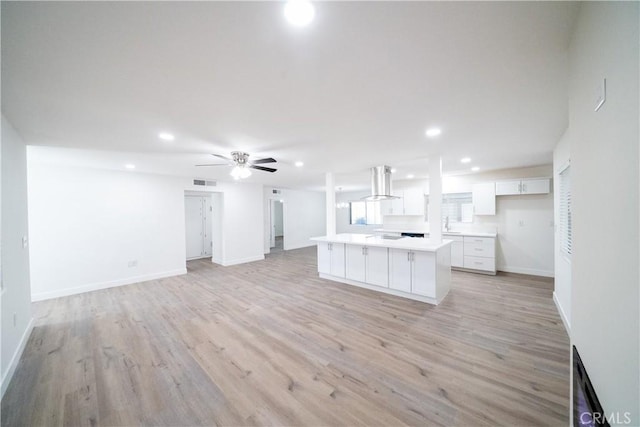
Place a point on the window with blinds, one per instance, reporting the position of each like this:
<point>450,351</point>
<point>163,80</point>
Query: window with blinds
<point>458,207</point>
<point>565,211</point>
<point>365,213</point>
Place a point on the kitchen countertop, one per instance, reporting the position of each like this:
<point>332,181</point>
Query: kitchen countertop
<point>408,243</point>
<point>444,233</point>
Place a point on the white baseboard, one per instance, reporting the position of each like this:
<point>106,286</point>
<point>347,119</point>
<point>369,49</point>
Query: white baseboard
<point>563,316</point>
<point>11,369</point>
<point>242,260</point>
<point>524,270</point>
<point>299,246</point>
<point>104,285</point>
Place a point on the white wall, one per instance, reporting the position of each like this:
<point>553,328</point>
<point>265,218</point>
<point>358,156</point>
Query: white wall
<point>15,294</point>
<point>242,223</point>
<point>88,225</point>
<point>605,324</point>
<point>237,220</point>
<point>562,291</point>
<point>304,217</point>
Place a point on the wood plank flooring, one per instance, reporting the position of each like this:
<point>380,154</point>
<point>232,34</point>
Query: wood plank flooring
<point>270,343</point>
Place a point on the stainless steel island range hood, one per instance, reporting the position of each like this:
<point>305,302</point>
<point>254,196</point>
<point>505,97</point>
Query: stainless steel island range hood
<point>380,184</point>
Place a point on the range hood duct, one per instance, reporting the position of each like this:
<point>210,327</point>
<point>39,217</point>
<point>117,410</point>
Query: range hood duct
<point>380,184</point>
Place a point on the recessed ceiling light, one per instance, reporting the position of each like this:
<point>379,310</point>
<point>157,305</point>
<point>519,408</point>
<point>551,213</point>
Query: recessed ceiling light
<point>393,170</point>
<point>299,164</point>
<point>475,168</point>
<point>433,132</point>
<point>410,176</point>
<point>465,160</point>
<point>165,136</point>
<point>299,12</point>
<point>130,166</point>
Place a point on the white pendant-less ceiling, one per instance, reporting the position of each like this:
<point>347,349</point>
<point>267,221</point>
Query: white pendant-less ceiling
<point>356,88</point>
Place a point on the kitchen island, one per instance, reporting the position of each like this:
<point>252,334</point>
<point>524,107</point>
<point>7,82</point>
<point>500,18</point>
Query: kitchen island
<point>413,268</point>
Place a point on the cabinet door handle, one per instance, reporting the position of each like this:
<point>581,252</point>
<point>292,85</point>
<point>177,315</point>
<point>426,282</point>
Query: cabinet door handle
<point>409,256</point>
<point>330,246</point>
<point>520,188</point>
<point>363,253</point>
<point>478,249</point>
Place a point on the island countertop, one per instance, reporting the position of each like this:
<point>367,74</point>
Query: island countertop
<point>444,233</point>
<point>408,243</point>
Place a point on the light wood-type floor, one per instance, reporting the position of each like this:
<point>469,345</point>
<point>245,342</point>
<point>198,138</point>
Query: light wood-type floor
<point>269,343</point>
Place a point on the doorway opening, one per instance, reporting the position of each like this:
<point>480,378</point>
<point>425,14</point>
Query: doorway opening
<point>277,226</point>
<point>198,211</point>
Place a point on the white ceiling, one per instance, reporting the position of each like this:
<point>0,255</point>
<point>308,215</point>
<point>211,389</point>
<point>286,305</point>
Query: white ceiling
<point>356,88</point>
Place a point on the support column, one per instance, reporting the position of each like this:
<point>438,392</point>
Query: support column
<point>434,214</point>
<point>330,204</point>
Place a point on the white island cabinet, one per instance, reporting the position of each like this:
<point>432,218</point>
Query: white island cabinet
<point>412,268</point>
<point>367,264</point>
<point>331,258</point>
<point>412,271</point>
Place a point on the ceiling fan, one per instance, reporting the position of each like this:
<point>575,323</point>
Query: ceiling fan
<point>242,165</point>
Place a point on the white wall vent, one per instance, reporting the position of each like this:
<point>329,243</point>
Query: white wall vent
<point>203,183</point>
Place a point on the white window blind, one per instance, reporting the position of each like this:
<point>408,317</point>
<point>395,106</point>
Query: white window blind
<point>565,211</point>
<point>365,213</point>
<point>456,207</point>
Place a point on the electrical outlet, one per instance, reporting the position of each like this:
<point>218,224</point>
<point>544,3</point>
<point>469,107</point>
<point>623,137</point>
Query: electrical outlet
<point>133,263</point>
<point>521,223</point>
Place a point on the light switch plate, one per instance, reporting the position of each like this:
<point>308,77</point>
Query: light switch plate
<point>601,94</point>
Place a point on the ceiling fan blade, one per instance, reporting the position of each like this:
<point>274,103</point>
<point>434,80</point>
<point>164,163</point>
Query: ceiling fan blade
<point>215,164</point>
<point>266,160</point>
<point>262,168</point>
<point>223,157</point>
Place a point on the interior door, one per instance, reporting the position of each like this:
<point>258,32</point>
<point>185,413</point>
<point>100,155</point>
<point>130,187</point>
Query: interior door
<point>207,219</point>
<point>272,215</point>
<point>193,226</point>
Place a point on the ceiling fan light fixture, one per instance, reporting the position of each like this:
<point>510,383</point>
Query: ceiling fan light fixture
<point>240,172</point>
<point>299,13</point>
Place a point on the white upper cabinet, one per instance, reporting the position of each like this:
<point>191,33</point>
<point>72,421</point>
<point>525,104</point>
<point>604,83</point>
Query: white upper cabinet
<point>508,188</point>
<point>522,186</point>
<point>484,198</point>
<point>535,186</point>
<point>414,201</point>
<point>411,202</point>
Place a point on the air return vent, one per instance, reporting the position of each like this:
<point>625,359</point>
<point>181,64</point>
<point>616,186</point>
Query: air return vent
<point>203,183</point>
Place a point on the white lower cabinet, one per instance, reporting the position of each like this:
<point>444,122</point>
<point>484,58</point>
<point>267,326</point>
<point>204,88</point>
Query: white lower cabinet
<point>480,253</point>
<point>457,250</point>
<point>423,278</point>
<point>412,271</point>
<point>400,269</point>
<point>367,264</point>
<point>377,266</point>
<point>331,258</point>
